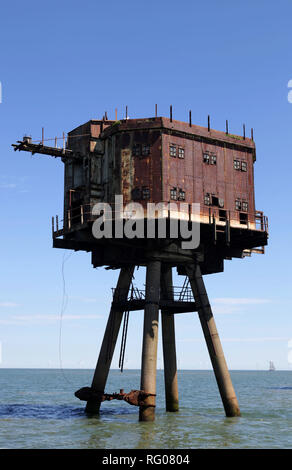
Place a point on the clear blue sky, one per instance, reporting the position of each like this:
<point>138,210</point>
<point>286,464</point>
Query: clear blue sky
<point>63,63</point>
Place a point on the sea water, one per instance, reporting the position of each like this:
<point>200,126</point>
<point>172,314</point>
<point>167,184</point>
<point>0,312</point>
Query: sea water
<point>38,410</point>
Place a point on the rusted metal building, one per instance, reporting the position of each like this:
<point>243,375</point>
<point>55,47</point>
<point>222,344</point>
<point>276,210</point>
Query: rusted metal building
<point>159,160</point>
<point>163,160</point>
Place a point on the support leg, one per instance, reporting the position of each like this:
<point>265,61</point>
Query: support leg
<point>213,342</point>
<point>168,342</point>
<point>110,337</point>
<point>150,340</point>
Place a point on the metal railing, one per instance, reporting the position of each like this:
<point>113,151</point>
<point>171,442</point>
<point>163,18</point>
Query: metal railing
<point>176,293</point>
<point>79,216</point>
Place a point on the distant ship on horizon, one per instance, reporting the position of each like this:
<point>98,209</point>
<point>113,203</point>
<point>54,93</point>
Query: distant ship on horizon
<point>272,366</point>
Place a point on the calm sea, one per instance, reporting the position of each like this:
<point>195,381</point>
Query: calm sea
<point>38,409</point>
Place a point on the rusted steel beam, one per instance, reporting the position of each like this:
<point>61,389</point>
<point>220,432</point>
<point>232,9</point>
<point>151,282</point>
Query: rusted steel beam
<point>109,341</point>
<point>134,397</point>
<point>213,342</point>
<point>28,146</point>
<point>170,306</point>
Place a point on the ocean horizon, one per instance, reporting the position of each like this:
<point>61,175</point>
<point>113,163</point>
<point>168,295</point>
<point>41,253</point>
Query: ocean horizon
<point>128,368</point>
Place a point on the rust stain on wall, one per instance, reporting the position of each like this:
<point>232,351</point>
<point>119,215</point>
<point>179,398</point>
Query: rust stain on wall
<point>127,175</point>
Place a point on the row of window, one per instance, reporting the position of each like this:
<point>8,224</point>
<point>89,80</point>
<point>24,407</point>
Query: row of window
<point>142,150</point>
<point>176,194</point>
<point>212,200</point>
<point>211,159</point>
<point>208,157</point>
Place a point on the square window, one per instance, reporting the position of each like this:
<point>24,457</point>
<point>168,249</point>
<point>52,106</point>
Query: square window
<point>206,158</point>
<point>238,204</point>
<point>243,166</point>
<point>207,199</point>
<point>181,195</point>
<point>244,206</point>
<point>136,150</point>
<point>237,164</point>
<point>213,159</point>
<point>173,194</point>
<point>145,193</point>
<point>145,149</point>
<point>181,152</point>
<point>172,150</point>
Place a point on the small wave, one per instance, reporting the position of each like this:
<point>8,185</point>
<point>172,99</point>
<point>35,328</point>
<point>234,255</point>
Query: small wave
<point>59,411</point>
<point>280,388</point>
<point>40,411</point>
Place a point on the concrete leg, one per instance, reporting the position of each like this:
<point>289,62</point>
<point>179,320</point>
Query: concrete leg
<point>110,337</point>
<point>168,341</point>
<point>150,340</point>
<point>213,342</point>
